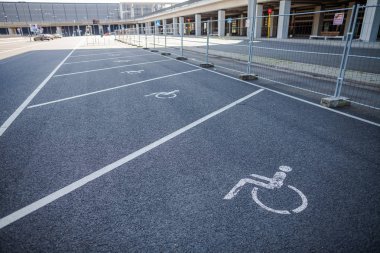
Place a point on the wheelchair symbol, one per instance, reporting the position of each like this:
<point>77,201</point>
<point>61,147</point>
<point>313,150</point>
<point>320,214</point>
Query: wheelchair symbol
<point>163,95</point>
<point>276,182</point>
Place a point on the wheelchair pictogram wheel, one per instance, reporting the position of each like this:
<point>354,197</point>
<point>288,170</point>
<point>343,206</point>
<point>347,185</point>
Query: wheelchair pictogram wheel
<point>296,210</point>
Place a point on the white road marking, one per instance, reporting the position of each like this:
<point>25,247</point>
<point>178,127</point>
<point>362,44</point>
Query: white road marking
<point>118,61</point>
<point>9,219</point>
<point>283,94</point>
<point>10,120</point>
<point>105,59</point>
<point>164,95</point>
<point>109,89</point>
<point>109,53</point>
<point>133,72</point>
<point>116,67</point>
<point>276,182</point>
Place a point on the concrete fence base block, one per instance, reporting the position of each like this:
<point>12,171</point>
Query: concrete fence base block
<point>181,58</point>
<point>246,77</point>
<point>334,102</point>
<point>166,54</point>
<point>206,65</point>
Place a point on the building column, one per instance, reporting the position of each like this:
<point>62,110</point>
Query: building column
<point>137,27</point>
<point>241,25</point>
<point>164,27</point>
<point>252,4</point>
<point>12,31</point>
<point>147,28</point>
<point>58,30</point>
<point>371,22</point>
<point>283,21</point>
<point>181,25</point>
<point>259,21</point>
<point>156,28</point>
<point>317,21</point>
<point>198,25</point>
<point>211,26</point>
<point>221,23</point>
<point>175,26</point>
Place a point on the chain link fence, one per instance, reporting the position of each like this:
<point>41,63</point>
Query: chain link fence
<point>326,57</point>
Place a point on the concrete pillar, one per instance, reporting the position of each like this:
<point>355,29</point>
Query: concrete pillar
<point>181,25</point>
<point>147,28</point>
<point>211,26</point>
<point>348,18</point>
<point>221,23</point>
<point>371,22</point>
<point>198,25</point>
<point>156,28</point>
<point>58,30</point>
<point>12,31</point>
<point>283,21</point>
<point>137,27</point>
<point>259,21</point>
<point>164,27</point>
<point>252,4</point>
<point>317,22</point>
<point>175,26</point>
<point>241,25</point>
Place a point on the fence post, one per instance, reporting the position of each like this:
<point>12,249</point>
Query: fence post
<point>249,75</point>
<point>207,64</point>
<point>139,31</point>
<point>181,58</point>
<point>346,52</point>
<point>154,37</point>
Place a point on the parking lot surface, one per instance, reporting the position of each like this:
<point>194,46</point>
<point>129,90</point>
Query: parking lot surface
<point>114,148</point>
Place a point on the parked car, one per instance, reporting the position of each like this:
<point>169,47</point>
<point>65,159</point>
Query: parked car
<point>43,37</point>
<point>57,35</point>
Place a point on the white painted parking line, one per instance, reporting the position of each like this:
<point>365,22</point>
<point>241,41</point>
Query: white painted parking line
<point>116,67</point>
<point>109,89</point>
<point>10,120</point>
<point>109,53</point>
<point>283,94</point>
<point>9,219</point>
<point>105,59</point>
<point>133,72</point>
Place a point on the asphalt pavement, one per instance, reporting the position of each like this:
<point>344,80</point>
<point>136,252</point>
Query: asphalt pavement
<point>127,150</point>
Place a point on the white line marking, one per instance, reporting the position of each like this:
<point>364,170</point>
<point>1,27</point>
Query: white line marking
<point>117,67</point>
<point>109,89</point>
<point>83,181</point>
<point>104,59</point>
<point>120,61</point>
<point>10,120</point>
<point>283,94</point>
<point>132,72</point>
<point>109,53</point>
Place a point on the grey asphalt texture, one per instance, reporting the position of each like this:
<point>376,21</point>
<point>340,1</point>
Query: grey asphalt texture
<point>171,198</point>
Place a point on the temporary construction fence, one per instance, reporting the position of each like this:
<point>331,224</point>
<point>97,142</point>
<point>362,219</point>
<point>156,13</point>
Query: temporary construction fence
<point>324,57</point>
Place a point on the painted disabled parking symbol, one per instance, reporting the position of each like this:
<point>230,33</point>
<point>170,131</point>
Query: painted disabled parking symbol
<point>276,182</point>
<point>164,95</point>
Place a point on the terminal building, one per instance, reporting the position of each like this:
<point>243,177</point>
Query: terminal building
<point>288,19</point>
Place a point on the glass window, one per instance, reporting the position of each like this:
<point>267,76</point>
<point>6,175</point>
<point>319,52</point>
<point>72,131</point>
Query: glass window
<point>59,12</point>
